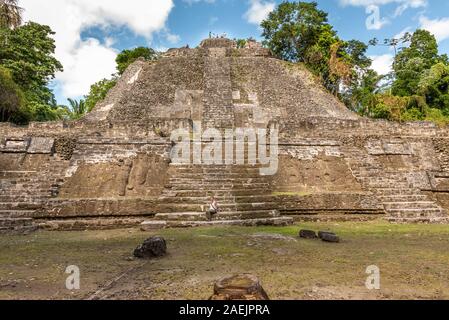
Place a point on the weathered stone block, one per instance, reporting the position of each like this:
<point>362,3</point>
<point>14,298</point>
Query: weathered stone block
<point>239,287</point>
<point>40,145</point>
<point>308,234</point>
<point>153,225</point>
<point>15,146</point>
<point>328,237</point>
<point>154,247</point>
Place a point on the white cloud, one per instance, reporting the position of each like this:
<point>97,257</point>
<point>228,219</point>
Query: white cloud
<point>438,27</point>
<point>382,64</point>
<point>374,20</point>
<point>191,2</point>
<point>403,4</point>
<point>258,11</point>
<point>173,38</point>
<point>87,61</point>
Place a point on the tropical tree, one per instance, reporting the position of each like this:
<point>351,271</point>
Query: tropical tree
<point>10,14</point>
<point>293,28</point>
<point>11,97</point>
<point>434,86</point>
<point>29,55</point>
<point>410,64</point>
<point>127,57</point>
<point>77,108</point>
<point>98,92</point>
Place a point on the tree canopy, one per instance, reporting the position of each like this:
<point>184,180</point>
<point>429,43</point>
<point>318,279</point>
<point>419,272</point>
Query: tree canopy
<point>127,57</point>
<point>27,53</point>
<point>11,97</point>
<point>417,88</point>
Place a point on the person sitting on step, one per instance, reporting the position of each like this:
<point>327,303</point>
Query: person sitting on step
<point>213,209</point>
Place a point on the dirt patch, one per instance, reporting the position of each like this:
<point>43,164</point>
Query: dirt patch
<point>412,260</point>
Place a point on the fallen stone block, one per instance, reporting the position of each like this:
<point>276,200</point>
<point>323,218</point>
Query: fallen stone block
<point>153,225</point>
<point>153,247</point>
<point>239,287</point>
<point>308,234</point>
<point>329,237</point>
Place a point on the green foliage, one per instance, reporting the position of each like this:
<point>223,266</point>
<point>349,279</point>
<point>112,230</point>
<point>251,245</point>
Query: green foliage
<point>360,96</point>
<point>127,57</point>
<point>98,92</point>
<point>241,43</point>
<point>381,111</point>
<point>28,53</point>
<point>411,62</point>
<point>77,109</point>
<point>419,90</point>
<point>11,97</point>
<point>42,112</point>
<point>293,28</point>
<point>434,86</point>
<point>300,32</point>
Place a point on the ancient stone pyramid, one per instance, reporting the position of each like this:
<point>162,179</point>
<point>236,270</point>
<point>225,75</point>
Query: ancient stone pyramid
<point>115,168</point>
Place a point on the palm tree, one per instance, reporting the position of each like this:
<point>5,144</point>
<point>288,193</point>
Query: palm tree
<point>10,14</point>
<point>77,108</point>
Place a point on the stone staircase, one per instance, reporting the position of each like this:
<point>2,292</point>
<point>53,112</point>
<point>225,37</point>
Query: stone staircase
<point>22,194</point>
<point>243,195</point>
<point>218,111</point>
<point>402,202</point>
<point>410,205</point>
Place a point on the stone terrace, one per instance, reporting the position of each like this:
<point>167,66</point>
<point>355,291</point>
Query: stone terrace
<point>113,167</point>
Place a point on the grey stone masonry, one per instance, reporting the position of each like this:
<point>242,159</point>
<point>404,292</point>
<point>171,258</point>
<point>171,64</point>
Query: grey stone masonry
<point>218,110</point>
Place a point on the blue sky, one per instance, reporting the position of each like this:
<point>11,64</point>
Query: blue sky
<point>91,33</point>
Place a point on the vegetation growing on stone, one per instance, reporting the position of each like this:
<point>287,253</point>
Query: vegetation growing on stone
<point>417,88</point>
<point>296,31</point>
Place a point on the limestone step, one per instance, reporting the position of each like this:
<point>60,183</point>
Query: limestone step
<point>204,179</point>
<point>217,175</point>
<point>416,213</point>
<point>16,197</point>
<point>15,222</point>
<point>403,198</point>
<point>396,191</point>
<point>328,212</point>
<point>19,205</point>
<point>410,205</point>
<point>80,224</point>
<point>221,199</point>
<point>186,207</point>
<point>211,169</point>
<point>201,216</point>
<point>380,185</point>
<point>216,192</point>
<point>17,174</point>
<point>426,220</point>
<point>20,229</point>
<point>224,186</point>
<point>335,218</point>
<point>13,214</point>
<point>155,224</point>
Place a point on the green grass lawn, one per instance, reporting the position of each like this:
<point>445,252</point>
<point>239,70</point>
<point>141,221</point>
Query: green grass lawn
<point>413,260</point>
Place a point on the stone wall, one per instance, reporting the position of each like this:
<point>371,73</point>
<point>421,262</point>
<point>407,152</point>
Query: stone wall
<point>114,163</point>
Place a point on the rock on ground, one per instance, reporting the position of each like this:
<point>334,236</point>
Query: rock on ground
<point>239,287</point>
<point>328,237</point>
<point>153,247</point>
<point>308,234</point>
